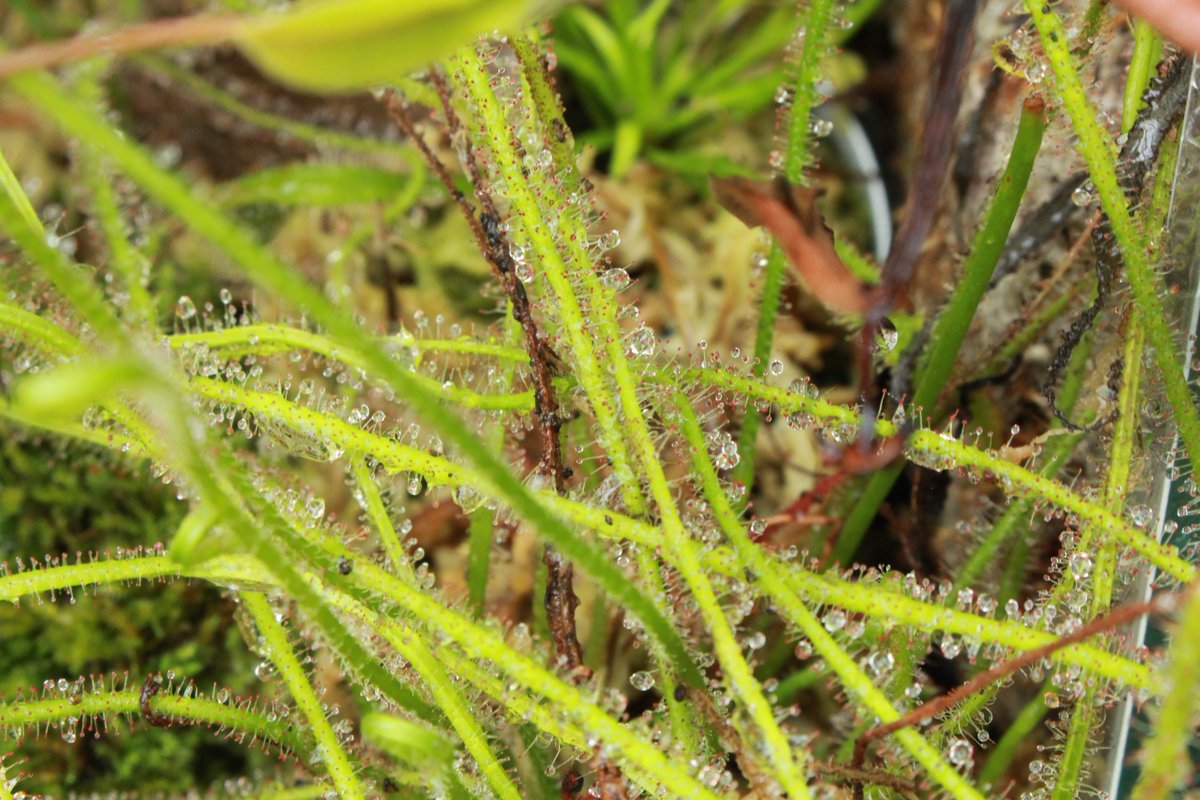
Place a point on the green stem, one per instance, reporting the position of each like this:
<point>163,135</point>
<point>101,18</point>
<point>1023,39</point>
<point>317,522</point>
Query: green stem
<point>1165,761</point>
<point>1036,325</point>
<point>1013,575</point>
<point>1120,460</point>
<point>482,644</point>
<point>1147,50</point>
<point>1011,521</point>
<point>1018,482</point>
<point>267,338</point>
<point>858,685</point>
<point>942,451</point>
<point>1099,151</point>
<point>483,519</point>
<point>198,710</point>
<point>955,319</point>
<point>393,456</point>
<point>480,533</point>
<point>462,717</point>
<point>575,327</point>
<point>52,580</point>
<point>798,681</point>
<point>372,502</point>
<point>1017,735</point>
<point>130,264</point>
<point>80,290</point>
<point>1015,516</point>
<point>889,603</point>
<point>797,155</point>
<point>274,641</point>
<point>38,332</point>
<point>602,324</point>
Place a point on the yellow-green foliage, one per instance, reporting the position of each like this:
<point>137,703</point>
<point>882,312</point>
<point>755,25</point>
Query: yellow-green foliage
<point>256,416</point>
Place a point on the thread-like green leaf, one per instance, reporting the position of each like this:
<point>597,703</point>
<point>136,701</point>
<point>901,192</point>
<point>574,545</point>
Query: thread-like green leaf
<point>344,45</point>
<point>12,187</point>
<point>194,541</point>
<point>407,741</point>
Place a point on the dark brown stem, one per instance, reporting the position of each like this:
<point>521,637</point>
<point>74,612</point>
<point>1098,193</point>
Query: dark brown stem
<point>934,158</point>
<point>873,777</point>
<point>560,600</point>
<point>1114,619</point>
<point>936,152</point>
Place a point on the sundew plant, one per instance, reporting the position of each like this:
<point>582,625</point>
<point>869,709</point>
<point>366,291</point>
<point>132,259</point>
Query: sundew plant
<point>949,607</point>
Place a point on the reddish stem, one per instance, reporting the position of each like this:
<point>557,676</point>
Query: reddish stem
<point>177,32</point>
<point>1114,619</point>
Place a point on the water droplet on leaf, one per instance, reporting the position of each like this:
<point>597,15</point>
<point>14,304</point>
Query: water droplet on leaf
<point>881,662</point>
<point>315,507</point>
<point>616,278</point>
<point>960,752</point>
<point>886,340</point>
<point>185,308</point>
<point>641,343</point>
<point>834,620</point>
<point>642,681</point>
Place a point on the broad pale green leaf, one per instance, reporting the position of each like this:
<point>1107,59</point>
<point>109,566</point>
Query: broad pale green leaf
<point>315,185</point>
<point>347,45</point>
